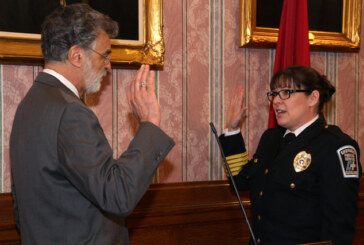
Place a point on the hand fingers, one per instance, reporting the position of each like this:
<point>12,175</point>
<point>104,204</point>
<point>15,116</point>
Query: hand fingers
<point>135,84</point>
<point>236,109</point>
<point>144,77</point>
<point>151,82</point>
<point>141,83</point>
<point>139,78</point>
<point>143,100</point>
<point>239,96</point>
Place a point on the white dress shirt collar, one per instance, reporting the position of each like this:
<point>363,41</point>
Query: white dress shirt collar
<point>296,132</point>
<point>63,80</point>
<point>303,127</point>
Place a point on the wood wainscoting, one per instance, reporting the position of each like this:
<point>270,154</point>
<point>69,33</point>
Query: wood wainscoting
<point>182,213</point>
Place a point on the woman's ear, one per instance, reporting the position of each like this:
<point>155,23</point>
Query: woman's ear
<point>314,98</point>
<point>76,55</point>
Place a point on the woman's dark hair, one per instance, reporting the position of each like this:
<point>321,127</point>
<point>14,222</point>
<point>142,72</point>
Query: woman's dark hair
<point>303,77</point>
<point>75,24</point>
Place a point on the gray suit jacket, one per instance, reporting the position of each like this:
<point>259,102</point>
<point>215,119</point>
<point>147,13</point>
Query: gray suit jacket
<point>67,187</point>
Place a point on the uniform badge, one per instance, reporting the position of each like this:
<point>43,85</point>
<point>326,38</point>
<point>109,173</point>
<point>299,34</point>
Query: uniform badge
<point>349,161</point>
<point>302,161</point>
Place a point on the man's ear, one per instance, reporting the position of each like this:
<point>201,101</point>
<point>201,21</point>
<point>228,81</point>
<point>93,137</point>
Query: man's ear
<point>314,98</point>
<point>76,55</point>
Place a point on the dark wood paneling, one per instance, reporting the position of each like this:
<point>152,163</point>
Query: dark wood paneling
<point>182,213</point>
<point>8,232</point>
<point>190,213</point>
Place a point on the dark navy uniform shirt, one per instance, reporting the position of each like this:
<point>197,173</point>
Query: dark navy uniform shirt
<point>306,191</point>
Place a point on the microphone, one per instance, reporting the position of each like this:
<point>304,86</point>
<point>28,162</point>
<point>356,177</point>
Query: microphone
<point>233,182</point>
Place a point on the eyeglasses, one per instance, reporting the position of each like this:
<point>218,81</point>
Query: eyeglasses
<point>284,94</point>
<point>106,57</point>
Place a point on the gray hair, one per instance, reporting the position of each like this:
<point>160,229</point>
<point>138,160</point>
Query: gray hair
<point>75,24</point>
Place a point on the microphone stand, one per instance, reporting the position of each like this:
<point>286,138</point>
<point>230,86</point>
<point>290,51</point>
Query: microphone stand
<point>233,182</point>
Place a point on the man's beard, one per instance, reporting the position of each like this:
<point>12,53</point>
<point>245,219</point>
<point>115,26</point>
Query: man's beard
<point>92,78</point>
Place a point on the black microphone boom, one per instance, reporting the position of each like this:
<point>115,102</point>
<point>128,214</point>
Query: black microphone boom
<point>232,181</point>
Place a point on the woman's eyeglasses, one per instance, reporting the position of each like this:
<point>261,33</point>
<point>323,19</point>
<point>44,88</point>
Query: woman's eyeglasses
<point>284,94</point>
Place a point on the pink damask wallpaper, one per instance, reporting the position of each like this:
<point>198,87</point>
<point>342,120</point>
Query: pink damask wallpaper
<point>203,66</point>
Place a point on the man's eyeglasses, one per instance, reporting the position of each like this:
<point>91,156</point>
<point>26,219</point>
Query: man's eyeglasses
<point>284,94</point>
<point>106,57</point>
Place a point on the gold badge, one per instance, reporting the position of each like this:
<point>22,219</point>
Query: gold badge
<point>302,161</point>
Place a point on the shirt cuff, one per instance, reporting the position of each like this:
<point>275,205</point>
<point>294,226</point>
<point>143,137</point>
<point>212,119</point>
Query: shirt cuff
<point>227,133</point>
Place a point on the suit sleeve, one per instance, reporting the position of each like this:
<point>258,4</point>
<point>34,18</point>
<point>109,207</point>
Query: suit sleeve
<point>339,193</point>
<point>237,158</point>
<point>115,185</point>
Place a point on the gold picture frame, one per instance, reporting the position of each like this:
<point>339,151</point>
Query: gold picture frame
<point>20,48</point>
<point>347,41</point>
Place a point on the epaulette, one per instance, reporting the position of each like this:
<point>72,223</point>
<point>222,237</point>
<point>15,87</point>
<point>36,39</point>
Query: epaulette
<point>335,131</point>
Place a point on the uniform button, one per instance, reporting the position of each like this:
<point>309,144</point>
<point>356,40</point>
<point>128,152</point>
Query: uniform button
<point>255,160</point>
<point>292,185</point>
<point>259,218</point>
<point>261,193</point>
<point>258,240</point>
<point>266,171</point>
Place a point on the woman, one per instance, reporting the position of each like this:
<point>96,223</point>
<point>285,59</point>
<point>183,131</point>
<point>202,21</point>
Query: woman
<point>304,189</point>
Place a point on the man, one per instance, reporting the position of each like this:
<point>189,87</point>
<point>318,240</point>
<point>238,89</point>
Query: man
<point>67,188</point>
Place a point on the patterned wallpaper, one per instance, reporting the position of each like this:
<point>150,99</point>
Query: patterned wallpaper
<point>203,66</point>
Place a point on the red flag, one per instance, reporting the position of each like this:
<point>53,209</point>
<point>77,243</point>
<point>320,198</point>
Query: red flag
<point>293,46</point>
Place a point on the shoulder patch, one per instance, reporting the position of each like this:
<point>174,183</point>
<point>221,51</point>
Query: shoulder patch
<point>349,161</point>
